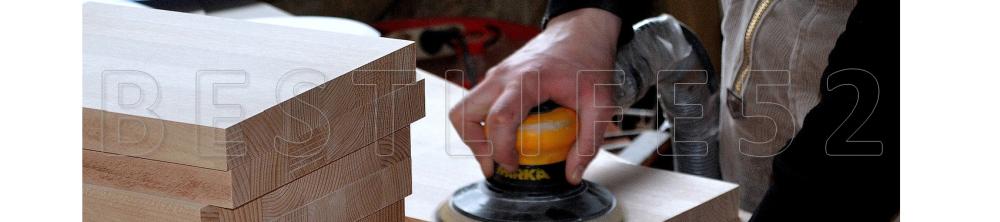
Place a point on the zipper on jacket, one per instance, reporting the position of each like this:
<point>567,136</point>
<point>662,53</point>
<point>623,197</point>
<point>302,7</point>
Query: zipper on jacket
<point>734,96</point>
<point>744,71</point>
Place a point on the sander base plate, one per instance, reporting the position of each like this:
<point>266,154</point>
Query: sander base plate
<point>480,202</point>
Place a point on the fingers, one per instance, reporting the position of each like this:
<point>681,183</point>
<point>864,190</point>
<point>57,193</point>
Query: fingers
<point>505,117</point>
<point>466,117</point>
<point>595,111</point>
<point>589,138</point>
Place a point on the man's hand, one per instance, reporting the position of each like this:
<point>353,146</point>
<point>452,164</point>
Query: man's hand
<point>565,63</point>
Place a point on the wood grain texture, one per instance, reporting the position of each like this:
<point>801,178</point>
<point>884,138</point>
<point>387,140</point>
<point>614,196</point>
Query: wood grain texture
<point>355,201</point>
<point>346,134</point>
<point>647,194</point>
<point>393,212</point>
<point>158,178</point>
<point>341,191</point>
<point>348,201</point>
<point>657,195</point>
<point>188,89</point>
<point>326,144</point>
<point>109,204</point>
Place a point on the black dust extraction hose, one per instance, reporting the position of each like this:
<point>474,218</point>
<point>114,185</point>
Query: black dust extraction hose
<point>666,56</point>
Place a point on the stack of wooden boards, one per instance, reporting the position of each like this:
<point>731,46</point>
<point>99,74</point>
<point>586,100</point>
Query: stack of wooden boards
<point>193,118</point>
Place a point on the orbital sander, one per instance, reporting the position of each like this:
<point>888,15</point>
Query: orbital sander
<point>538,190</point>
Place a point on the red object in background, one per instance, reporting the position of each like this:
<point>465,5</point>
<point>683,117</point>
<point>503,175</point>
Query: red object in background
<point>467,37</point>
<point>477,31</point>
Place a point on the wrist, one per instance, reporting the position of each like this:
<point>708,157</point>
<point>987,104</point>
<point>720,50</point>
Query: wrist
<point>627,12</point>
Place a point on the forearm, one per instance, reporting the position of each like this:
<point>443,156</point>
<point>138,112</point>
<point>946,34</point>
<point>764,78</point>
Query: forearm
<point>627,12</point>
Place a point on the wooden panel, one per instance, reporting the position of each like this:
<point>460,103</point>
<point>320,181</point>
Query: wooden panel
<point>347,190</point>
<point>350,203</point>
<point>347,199</point>
<point>186,89</point>
<point>158,178</point>
<point>442,164</point>
<point>109,204</point>
<point>327,144</point>
<point>360,127</point>
<point>657,195</point>
<point>394,212</point>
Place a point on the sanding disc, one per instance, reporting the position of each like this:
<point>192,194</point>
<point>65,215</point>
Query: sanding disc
<point>479,202</point>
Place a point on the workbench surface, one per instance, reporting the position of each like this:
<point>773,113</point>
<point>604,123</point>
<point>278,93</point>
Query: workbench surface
<point>442,163</point>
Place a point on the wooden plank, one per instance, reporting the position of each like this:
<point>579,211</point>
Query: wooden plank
<point>344,202</point>
<point>657,195</point>
<point>647,194</point>
<point>343,191</point>
<point>352,202</point>
<point>157,178</point>
<point>109,204</point>
<point>189,89</point>
<point>394,212</point>
<point>261,175</point>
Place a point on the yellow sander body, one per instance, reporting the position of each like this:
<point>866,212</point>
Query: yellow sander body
<point>538,191</point>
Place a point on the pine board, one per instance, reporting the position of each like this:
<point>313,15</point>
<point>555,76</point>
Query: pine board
<point>442,164</point>
<point>113,205</point>
<point>394,212</point>
<point>340,191</point>
<point>196,90</point>
<point>261,175</point>
<point>344,202</point>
